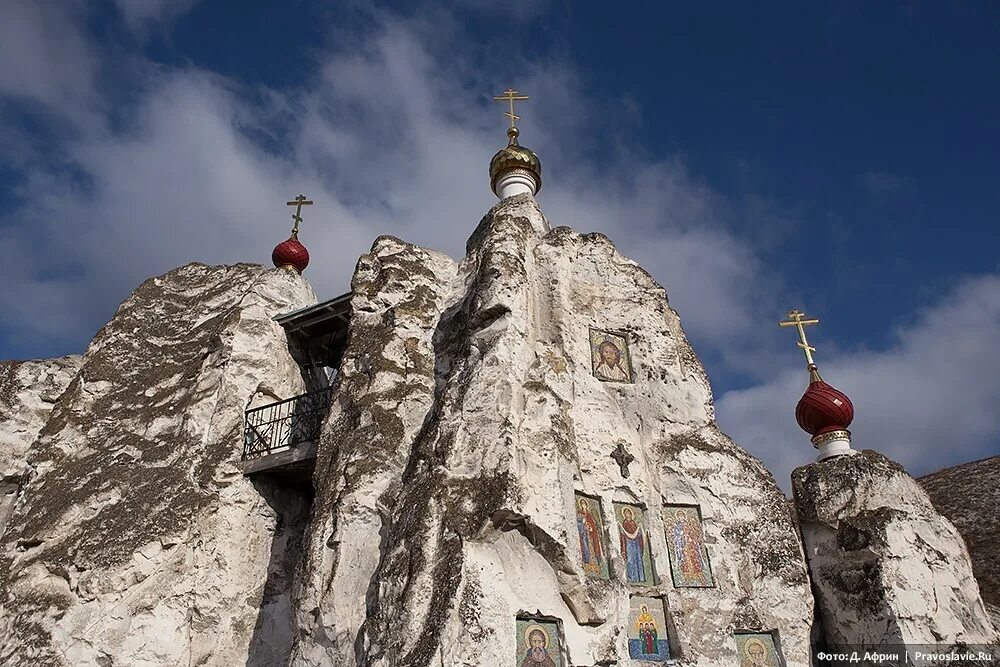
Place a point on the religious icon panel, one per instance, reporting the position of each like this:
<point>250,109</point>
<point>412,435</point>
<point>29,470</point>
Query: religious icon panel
<point>633,540</point>
<point>538,643</point>
<point>689,563</point>
<point>757,649</point>
<point>647,630</point>
<point>590,526</point>
<point>610,357</point>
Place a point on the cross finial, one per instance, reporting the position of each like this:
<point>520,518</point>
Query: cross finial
<point>298,203</point>
<point>795,319</point>
<point>622,458</point>
<point>510,96</point>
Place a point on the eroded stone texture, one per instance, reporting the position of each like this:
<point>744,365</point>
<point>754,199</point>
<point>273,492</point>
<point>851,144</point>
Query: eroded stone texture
<point>968,495</point>
<point>136,539</point>
<point>28,390</point>
<point>383,394</point>
<point>886,567</point>
<point>466,417</point>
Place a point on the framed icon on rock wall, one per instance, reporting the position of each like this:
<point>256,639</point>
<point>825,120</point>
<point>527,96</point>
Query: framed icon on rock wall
<point>689,563</point>
<point>610,356</point>
<point>538,643</point>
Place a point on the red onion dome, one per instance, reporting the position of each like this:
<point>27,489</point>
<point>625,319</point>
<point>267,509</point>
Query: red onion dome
<point>291,253</point>
<point>823,409</point>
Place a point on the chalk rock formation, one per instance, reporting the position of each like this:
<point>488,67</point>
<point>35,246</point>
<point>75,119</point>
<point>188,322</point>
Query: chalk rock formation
<point>886,567</point>
<point>28,390</point>
<point>968,495</point>
<point>136,539</point>
<point>466,418</point>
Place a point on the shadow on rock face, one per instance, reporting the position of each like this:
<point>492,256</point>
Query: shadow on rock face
<point>271,642</point>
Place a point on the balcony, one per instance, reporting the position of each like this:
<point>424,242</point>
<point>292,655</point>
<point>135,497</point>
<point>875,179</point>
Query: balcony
<point>282,437</point>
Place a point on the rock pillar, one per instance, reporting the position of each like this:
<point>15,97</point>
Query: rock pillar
<point>136,539</point>
<point>469,507</point>
<point>886,567</point>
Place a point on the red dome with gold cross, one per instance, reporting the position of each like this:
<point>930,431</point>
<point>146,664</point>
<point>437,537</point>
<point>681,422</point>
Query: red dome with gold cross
<point>291,253</point>
<point>823,412</point>
<point>823,409</point>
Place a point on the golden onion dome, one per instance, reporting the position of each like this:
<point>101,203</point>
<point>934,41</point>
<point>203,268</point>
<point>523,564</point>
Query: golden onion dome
<point>515,156</point>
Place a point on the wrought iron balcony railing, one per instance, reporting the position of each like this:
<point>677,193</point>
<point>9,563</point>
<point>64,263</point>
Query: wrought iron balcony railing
<point>284,424</point>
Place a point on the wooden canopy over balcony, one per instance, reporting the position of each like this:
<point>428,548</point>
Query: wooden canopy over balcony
<point>317,334</point>
<point>281,438</point>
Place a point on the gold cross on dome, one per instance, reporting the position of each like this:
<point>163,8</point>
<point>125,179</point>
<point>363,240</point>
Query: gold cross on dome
<point>298,203</point>
<point>795,319</point>
<point>510,95</point>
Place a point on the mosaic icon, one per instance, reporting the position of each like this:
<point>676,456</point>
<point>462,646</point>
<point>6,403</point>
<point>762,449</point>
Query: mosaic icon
<point>689,564</point>
<point>647,630</point>
<point>590,526</point>
<point>633,539</point>
<point>610,357</point>
<point>757,649</point>
<point>538,643</point>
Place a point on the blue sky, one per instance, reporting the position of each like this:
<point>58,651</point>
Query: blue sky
<point>840,158</point>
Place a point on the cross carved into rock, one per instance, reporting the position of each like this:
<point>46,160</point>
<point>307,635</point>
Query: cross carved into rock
<point>622,458</point>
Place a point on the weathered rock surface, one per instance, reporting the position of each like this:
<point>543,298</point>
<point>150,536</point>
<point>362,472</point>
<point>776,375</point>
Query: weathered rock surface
<point>465,417</point>
<point>136,540</point>
<point>28,390</point>
<point>886,567</point>
<point>968,495</point>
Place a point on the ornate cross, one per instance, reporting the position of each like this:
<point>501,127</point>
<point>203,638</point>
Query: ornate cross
<point>795,320</point>
<point>622,458</point>
<point>510,95</point>
<point>298,203</point>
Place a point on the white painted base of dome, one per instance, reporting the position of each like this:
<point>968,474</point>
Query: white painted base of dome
<point>835,447</point>
<point>515,183</point>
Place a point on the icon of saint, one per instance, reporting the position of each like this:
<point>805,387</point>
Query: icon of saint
<point>646,625</point>
<point>687,548</point>
<point>633,544</point>
<point>537,654</point>
<point>754,653</point>
<point>590,537</point>
<point>611,366</point>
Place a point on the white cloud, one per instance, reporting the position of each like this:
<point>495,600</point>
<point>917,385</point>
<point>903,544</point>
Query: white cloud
<point>141,15</point>
<point>389,138</point>
<point>46,60</point>
<point>928,401</point>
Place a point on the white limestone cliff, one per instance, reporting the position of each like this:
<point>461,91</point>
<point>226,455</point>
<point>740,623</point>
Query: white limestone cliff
<point>886,567</point>
<point>136,539</point>
<point>968,495</point>
<point>28,390</point>
<point>467,414</point>
<point>465,418</point>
